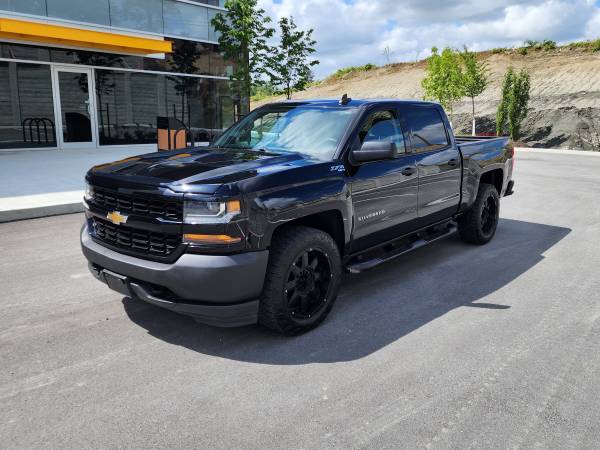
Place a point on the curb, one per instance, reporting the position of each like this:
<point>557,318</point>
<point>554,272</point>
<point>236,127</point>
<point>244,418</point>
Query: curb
<point>41,211</point>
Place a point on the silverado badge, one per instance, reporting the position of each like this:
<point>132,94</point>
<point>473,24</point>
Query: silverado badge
<point>116,217</point>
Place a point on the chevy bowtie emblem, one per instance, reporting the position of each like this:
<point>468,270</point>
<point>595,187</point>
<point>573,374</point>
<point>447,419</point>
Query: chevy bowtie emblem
<point>116,217</point>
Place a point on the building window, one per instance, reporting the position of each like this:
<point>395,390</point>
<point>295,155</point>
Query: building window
<point>129,102</point>
<point>171,17</point>
<point>96,11</point>
<point>213,35</point>
<point>185,20</point>
<point>145,15</point>
<point>26,108</point>
<point>37,7</point>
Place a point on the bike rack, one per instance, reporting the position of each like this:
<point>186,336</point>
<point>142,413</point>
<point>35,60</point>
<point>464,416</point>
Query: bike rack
<point>29,123</point>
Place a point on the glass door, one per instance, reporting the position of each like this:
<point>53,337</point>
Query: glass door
<point>75,107</point>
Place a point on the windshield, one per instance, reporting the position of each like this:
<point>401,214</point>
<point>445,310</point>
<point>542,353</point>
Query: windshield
<point>310,130</point>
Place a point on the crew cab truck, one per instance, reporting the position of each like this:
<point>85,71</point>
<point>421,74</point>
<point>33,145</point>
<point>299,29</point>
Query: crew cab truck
<point>260,225</point>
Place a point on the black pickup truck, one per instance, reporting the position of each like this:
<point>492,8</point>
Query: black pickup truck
<point>260,226</point>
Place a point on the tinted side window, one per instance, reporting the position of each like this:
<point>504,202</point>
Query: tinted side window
<point>383,126</point>
<point>428,131</point>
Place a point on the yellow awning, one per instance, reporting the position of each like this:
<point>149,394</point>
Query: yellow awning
<point>21,30</point>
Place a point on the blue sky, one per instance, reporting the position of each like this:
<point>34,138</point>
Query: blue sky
<point>354,32</point>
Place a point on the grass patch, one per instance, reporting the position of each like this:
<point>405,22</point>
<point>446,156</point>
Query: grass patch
<point>529,45</point>
<point>588,46</point>
<point>340,73</point>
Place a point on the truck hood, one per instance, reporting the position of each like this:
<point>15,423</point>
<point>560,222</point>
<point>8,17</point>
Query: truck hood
<point>186,168</point>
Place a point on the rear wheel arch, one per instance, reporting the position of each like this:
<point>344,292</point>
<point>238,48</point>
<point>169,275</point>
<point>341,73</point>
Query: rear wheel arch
<point>495,177</point>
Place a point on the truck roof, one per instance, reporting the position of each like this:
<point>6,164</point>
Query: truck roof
<point>354,102</point>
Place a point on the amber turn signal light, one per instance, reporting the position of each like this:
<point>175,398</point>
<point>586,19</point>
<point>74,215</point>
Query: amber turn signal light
<point>234,207</point>
<point>211,239</point>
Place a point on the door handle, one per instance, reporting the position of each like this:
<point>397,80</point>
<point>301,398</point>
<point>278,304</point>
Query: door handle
<point>408,171</point>
<point>453,162</point>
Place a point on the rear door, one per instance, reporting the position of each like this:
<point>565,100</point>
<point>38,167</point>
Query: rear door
<point>384,193</point>
<point>438,162</point>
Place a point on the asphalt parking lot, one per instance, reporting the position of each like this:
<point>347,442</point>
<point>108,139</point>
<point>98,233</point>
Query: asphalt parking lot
<point>450,346</point>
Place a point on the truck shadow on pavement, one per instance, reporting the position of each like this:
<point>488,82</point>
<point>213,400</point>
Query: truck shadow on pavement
<point>378,307</point>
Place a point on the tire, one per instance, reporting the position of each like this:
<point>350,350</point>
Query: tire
<point>302,281</point>
<point>478,225</point>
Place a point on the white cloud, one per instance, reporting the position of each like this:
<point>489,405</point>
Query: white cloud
<point>592,30</point>
<point>356,32</point>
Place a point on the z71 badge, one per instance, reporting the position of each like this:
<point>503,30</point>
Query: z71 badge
<point>339,168</point>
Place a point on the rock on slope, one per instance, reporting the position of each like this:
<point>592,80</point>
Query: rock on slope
<point>565,95</point>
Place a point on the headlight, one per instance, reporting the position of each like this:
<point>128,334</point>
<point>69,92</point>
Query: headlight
<point>89,192</point>
<point>196,212</point>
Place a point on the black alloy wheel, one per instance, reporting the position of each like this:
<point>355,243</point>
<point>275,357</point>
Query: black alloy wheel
<point>489,215</point>
<point>308,284</point>
<point>302,281</point>
<point>478,225</point>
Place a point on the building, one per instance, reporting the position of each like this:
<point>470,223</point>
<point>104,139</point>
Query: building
<point>83,73</point>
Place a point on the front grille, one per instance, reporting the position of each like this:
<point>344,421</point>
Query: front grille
<point>144,242</point>
<point>139,205</point>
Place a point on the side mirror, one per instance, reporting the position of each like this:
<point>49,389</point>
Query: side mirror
<point>374,151</point>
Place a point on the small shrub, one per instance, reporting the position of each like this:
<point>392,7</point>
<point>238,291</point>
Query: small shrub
<point>522,50</point>
<point>498,50</point>
<point>545,45</point>
<point>548,45</point>
<point>531,44</point>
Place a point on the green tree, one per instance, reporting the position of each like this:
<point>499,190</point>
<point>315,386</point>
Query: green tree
<point>444,78</point>
<point>474,77</point>
<point>502,111</point>
<point>290,66</point>
<point>243,34</point>
<point>512,109</point>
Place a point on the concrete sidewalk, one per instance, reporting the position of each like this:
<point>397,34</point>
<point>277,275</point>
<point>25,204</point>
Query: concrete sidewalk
<point>40,183</point>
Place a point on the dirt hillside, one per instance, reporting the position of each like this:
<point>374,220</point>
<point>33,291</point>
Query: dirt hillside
<point>564,110</point>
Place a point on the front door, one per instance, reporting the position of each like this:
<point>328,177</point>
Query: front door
<point>74,107</point>
<point>384,193</point>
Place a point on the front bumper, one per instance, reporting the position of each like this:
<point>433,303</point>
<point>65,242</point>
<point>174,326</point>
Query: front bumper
<point>216,289</point>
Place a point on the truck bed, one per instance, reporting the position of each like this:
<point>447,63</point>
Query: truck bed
<point>470,145</point>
